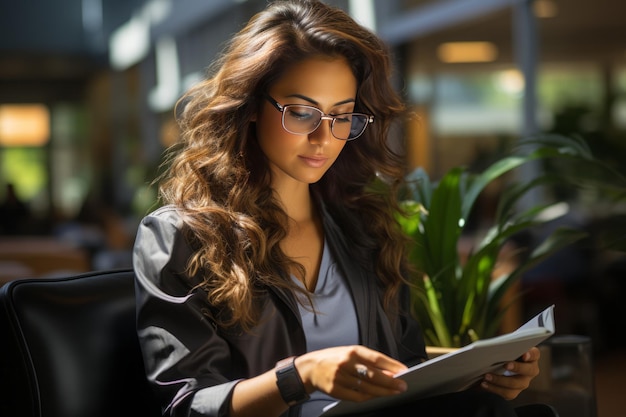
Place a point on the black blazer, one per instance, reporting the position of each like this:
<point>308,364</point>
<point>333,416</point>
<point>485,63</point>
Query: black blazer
<point>193,365</point>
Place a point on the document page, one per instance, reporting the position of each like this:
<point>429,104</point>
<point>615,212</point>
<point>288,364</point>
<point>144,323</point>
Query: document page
<point>460,369</point>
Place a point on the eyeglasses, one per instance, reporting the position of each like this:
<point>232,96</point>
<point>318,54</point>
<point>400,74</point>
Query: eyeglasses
<point>301,119</point>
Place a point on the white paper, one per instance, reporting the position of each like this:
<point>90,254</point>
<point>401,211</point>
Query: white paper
<point>459,369</point>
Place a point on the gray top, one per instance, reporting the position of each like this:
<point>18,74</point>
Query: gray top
<point>334,322</point>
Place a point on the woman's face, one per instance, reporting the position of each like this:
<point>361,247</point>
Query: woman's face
<point>323,82</point>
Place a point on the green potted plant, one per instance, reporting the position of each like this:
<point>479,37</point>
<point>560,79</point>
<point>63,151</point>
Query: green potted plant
<point>458,299</point>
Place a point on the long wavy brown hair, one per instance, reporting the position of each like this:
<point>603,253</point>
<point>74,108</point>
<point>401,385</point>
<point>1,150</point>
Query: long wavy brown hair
<point>219,179</point>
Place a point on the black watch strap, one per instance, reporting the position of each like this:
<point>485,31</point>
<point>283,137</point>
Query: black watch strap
<point>289,383</point>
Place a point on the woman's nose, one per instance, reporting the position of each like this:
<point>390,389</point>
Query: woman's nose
<point>322,134</point>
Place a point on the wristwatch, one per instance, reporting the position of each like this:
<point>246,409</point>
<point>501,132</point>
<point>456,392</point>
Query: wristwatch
<point>289,383</point>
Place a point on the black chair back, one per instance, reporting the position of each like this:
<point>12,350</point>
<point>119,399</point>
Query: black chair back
<point>69,348</point>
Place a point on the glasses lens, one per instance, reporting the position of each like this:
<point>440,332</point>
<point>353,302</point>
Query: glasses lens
<point>301,119</point>
<point>349,126</point>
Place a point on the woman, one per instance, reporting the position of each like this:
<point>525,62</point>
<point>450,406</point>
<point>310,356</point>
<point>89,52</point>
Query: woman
<point>271,281</point>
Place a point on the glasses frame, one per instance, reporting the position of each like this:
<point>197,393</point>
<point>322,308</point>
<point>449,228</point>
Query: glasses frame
<point>282,107</point>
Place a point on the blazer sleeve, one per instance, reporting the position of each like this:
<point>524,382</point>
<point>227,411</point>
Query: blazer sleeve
<point>186,360</point>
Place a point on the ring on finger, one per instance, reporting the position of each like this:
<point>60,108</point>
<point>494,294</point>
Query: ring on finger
<point>361,371</point>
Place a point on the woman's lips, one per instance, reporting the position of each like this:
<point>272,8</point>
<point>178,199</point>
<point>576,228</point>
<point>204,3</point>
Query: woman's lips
<point>314,161</point>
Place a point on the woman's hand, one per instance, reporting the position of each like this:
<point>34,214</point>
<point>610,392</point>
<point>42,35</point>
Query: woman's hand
<point>354,373</point>
<point>517,378</point>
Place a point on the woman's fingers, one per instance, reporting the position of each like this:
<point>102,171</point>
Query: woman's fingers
<point>517,376</point>
<point>354,373</point>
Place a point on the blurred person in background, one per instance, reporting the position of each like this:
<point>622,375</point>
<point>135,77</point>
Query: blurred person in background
<point>15,215</point>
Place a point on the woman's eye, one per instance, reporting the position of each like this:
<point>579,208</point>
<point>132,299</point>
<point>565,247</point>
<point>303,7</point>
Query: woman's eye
<point>343,118</point>
<point>300,114</point>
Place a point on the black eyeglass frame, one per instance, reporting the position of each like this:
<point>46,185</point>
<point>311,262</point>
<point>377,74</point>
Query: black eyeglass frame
<point>282,107</point>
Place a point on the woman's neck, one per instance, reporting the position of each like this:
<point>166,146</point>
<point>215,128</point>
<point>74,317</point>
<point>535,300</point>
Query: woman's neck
<point>297,203</point>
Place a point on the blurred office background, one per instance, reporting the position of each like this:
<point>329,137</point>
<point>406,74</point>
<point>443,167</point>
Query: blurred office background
<point>87,89</point>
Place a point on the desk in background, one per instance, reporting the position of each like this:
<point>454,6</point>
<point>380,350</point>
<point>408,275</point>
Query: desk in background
<point>39,256</point>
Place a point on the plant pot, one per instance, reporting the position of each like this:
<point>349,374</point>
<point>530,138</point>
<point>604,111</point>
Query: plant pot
<point>434,351</point>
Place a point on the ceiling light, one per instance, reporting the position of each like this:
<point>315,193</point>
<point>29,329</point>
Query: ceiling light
<point>461,52</point>
<point>24,125</point>
<point>130,43</point>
